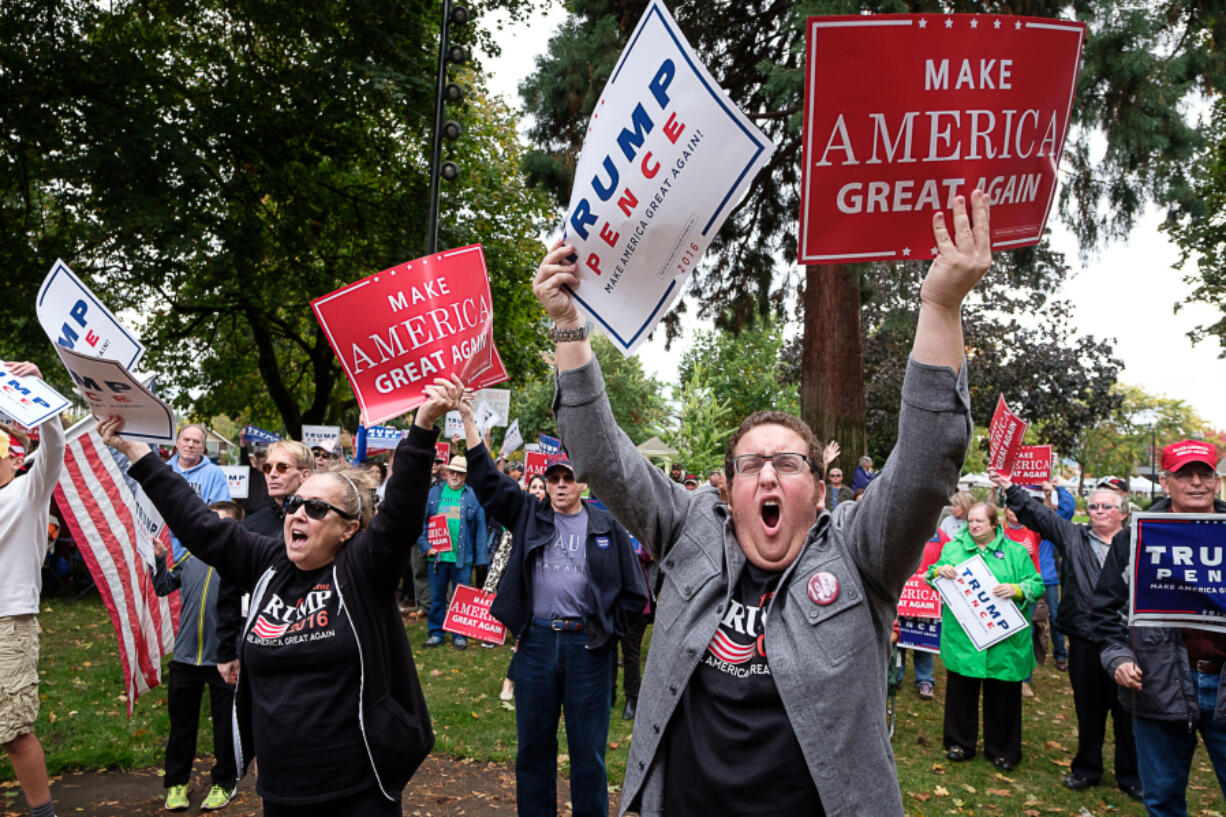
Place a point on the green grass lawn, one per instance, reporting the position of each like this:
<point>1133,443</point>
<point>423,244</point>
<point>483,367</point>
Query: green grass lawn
<point>83,725</point>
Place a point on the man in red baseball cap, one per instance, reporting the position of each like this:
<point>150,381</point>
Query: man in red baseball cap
<point>1165,673</point>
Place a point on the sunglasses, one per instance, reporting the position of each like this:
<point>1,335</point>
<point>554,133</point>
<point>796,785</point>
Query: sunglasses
<point>560,476</point>
<point>1105,506</point>
<point>280,467</point>
<point>315,508</point>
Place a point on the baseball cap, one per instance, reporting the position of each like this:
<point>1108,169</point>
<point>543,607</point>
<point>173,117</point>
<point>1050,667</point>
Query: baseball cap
<point>691,478</point>
<point>559,460</point>
<point>330,447</point>
<point>515,466</point>
<point>1114,483</point>
<point>1184,452</point>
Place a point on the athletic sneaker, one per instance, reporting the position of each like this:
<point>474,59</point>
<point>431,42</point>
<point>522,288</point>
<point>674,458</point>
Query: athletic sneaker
<point>925,690</point>
<point>217,797</point>
<point>459,642</point>
<point>176,798</point>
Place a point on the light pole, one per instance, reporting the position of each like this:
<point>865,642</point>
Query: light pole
<point>444,92</point>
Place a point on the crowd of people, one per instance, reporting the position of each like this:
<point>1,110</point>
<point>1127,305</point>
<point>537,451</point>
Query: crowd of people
<point>773,588</point>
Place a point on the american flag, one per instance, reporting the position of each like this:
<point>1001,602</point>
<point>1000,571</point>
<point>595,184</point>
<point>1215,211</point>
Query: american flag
<point>114,524</point>
<point>268,629</point>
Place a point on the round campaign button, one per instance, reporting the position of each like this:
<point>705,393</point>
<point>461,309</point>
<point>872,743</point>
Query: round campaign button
<point>823,588</point>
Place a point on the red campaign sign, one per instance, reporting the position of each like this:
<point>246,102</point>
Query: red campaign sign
<point>469,615</point>
<point>443,449</point>
<point>396,331</point>
<point>1033,465</point>
<point>534,463</point>
<point>1004,437</point>
<point>903,112</point>
<point>437,533</point>
<point>919,600</point>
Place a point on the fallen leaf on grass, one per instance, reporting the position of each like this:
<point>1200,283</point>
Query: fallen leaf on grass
<point>969,787</point>
<point>1000,776</point>
<point>999,792</point>
<point>937,768</point>
<point>941,791</point>
<point>1065,763</point>
<point>1051,744</point>
<point>922,796</point>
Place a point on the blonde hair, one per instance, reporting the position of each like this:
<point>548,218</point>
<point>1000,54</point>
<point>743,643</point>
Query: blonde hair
<point>298,452</point>
<point>359,485</point>
<point>964,500</point>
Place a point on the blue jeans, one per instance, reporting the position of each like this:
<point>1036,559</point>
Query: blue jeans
<point>555,672</point>
<point>1164,752</point>
<point>442,576</point>
<point>922,662</point>
<point>1059,651</point>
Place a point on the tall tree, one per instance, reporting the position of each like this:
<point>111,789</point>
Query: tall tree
<point>217,164</point>
<point>1143,62</point>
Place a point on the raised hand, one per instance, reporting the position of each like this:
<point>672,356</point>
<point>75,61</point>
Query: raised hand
<point>963,256</point>
<point>108,430</point>
<point>554,273</point>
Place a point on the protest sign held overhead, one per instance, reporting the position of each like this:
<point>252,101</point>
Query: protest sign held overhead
<point>315,435</point>
<point>453,424</point>
<point>394,332</point>
<point>548,445</point>
<point>666,157</point>
<point>1005,435</point>
<point>985,618</point>
<point>512,440</point>
<point>28,400</point>
<point>382,438</point>
<point>903,112</point>
<point>1177,574</point>
<point>110,389</point>
<point>1033,465</point>
<point>257,435</point>
<point>75,319</point>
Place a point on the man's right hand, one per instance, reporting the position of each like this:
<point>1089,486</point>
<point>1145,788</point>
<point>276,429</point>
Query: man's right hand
<point>1128,675</point>
<point>554,273</point>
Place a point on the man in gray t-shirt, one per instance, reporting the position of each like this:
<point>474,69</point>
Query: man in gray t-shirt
<point>559,576</point>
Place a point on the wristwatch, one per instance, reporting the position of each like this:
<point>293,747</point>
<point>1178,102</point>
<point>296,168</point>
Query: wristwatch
<point>568,335</point>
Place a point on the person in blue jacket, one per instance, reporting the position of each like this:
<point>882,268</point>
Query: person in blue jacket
<point>468,545</point>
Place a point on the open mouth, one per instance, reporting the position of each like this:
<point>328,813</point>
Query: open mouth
<point>770,515</point>
<point>298,537</point>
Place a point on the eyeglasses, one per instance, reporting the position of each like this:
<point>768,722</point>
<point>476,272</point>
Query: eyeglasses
<point>315,508</point>
<point>1102,506</point>
<point>560,476</point>
<point>836,474</point>
<point>279,467</point>
<point>786,462</point>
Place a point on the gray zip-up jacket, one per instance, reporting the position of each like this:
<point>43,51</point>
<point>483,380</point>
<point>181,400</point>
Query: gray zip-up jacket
<point>828,662</point>
<point>209,614</point>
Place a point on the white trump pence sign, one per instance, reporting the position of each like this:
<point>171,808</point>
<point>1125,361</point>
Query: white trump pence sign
<point>985,618</point>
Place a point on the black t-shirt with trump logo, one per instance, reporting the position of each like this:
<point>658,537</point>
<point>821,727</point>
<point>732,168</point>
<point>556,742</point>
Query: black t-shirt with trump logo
<point>301,658</point>
<point>731,748</point>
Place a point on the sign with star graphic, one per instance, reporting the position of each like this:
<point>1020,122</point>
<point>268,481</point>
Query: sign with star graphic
<point>905,112</point>
<point>1176,571</point>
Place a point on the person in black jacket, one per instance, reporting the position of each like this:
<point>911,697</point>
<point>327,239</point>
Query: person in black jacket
<point>1168,677</point>
<point>1082,549</point>
<point>328,697</point>
<point>571,584</point>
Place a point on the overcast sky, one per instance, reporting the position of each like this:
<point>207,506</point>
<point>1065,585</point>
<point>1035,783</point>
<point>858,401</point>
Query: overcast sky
<point>1127,292</point>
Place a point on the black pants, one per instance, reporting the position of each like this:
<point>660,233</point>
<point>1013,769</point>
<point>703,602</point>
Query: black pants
<point>631,644</point>
<point>366,803</point>
<point>1094,695</point>
<point>1002,716</point>
<point>184,691</point>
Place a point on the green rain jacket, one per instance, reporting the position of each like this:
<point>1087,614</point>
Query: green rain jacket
<point>1008,660</point>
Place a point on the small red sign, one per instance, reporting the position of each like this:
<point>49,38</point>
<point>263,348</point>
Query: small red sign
<point>903,112</point>
<point>534,463</point>
<point>437,533</point>
<point>1033,465</point>
<point>394,332</point>
<point>469,615</point>
<point>919,600</point>
<point>442,449</point>
<point>1004,437</point>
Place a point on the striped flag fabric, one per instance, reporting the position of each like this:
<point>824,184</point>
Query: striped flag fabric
<point>114,525</point>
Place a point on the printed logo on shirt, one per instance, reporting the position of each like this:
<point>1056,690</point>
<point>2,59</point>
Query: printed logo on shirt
<point>305,620</point>
<point>558,555</point>
<point>738,647</point>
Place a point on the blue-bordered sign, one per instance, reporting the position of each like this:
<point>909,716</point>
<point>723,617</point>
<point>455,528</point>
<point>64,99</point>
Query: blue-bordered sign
<point>1177,571</point>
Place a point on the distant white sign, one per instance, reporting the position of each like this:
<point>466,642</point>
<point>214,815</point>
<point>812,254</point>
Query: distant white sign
<point>29,400</point>
<point>382,438</point>
<point>985,618</point>
<point>500,401</point>
<point>314,435</point>
<point>110,389</point>
<point>75,319</point>
<point>513,439</point>
<point>453,425</point>
<point>484,416</point>
<point>238,478</point>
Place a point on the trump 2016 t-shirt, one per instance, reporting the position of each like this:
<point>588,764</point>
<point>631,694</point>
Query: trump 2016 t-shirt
<point>731,748</point>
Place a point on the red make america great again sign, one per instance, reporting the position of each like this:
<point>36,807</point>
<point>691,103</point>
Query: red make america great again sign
<point>905,112</point>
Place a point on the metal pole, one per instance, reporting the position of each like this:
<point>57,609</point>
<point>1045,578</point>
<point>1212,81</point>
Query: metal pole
<point>437,146</point>
<point>1153,465</point>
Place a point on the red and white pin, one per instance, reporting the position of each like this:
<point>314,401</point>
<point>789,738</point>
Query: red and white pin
<point>823,588</point>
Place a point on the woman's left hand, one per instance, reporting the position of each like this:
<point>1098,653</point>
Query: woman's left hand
<point>1005,590</point>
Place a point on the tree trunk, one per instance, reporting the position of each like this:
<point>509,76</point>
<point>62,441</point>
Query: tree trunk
<point>832,371</point>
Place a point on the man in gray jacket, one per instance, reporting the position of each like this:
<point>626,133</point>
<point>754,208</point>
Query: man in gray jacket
<point>765,684</point>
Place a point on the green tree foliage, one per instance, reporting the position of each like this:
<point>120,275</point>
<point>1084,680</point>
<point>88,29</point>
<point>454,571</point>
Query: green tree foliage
<point>704,422</point>
<point>636,397</point>
<point>215,165</point>
<point>742,370</point>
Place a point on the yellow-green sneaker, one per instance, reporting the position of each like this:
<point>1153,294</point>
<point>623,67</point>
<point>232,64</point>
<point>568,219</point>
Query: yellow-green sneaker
<point>216,798</point>
<point>176,798</point>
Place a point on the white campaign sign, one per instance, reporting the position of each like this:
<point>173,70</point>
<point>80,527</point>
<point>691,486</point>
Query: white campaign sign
<point>666,157</point>
<point>238,478</point>
<point>75,319</point>
<point>985,618</point>
<point>29,400</point>
<point>453,425</point>
<point>484,417</point>
<point>314,435</point>
<point>110,389</point>
<point>499,400</point>
<point>512,440</point>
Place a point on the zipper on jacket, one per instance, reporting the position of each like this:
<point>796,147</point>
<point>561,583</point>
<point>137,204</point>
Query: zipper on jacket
<point>204,600</point>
